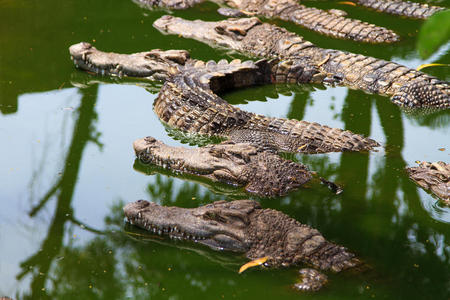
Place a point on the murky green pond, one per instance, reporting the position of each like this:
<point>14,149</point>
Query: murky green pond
<point>67,167</point>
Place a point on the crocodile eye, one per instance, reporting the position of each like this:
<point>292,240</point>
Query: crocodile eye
<point>209,215</point>
<point>219,29</point>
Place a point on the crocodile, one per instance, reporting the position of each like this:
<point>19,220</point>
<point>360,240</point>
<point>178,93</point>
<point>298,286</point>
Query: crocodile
<point>434,177</point>
<point>188,99</point>
<point>260,172</point>
<point>406,87</point>
<point>408,9</point>
<point>333,22</point>
<point>243,226</point>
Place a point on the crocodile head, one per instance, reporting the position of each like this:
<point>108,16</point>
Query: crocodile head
<point>155,64</point>
<point>241,164</point>
<point>220,225</point>
<point>227,33</point>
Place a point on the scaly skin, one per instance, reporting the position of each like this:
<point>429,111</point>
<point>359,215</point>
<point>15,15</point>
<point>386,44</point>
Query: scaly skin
<point>260,172</point>
<point>243,226</point>
<point>406,87</point>
<point>187,101</point>
<point>331,23</point>
<point>402,8</point>
<point>434,177</point>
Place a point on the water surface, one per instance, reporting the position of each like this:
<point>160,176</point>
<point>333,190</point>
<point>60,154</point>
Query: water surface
<point>67,168</point>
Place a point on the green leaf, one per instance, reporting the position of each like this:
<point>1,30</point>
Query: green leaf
<point>434,33</point>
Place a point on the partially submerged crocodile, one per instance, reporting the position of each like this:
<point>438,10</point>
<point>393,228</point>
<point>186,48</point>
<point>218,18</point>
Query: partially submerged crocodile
<point>402,8</point>
<point>331,23</point>
<point>406,87</point>
<point>187,100</point>
<point>434,177</point>
<point>260,172</point>
<point>243,226</point>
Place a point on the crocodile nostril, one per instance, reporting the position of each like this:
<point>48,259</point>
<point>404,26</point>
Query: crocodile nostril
<point>143,203</point>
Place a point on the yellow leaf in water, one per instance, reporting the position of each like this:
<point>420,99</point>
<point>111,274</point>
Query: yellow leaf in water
<point>347,2</point>
<point>431,65</point>
<point>253,263</point>
<point>301,147</point>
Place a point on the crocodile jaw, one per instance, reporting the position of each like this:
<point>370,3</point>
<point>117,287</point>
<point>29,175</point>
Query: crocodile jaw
<point>213,162</point>
<point>154,64</point>
<point>206,225</point>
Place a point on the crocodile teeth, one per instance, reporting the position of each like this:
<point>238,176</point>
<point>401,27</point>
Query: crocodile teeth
<point>248,63</point>
<point>199,64</point>
<point>222,62</point>
<point>210,64</point>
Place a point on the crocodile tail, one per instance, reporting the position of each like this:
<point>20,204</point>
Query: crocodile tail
<point>337,26</point>
<point>332,23</point>
<point>295,136</point>
<point>422,93</point>
<point>402,8</point>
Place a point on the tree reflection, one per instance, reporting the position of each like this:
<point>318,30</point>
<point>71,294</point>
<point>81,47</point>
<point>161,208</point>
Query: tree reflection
<point>378,216</point>
<point>39,264</point>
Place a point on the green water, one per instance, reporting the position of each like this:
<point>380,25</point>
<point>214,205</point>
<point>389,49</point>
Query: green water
<point>67,167</point>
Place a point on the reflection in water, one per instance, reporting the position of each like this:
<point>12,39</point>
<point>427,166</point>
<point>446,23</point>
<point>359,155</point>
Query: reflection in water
<point>379,215</point>
<point>160,188</point>
<point>39,264</point>
<point>401,242</point>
